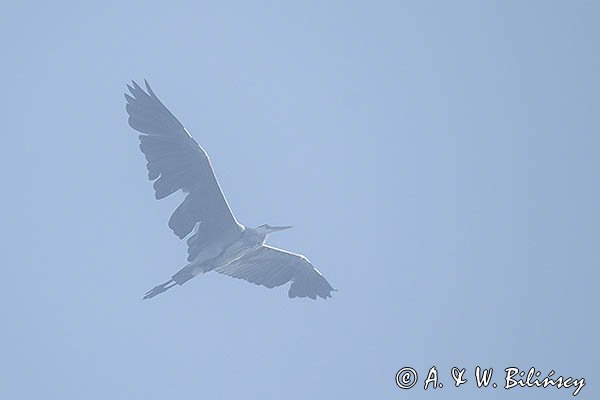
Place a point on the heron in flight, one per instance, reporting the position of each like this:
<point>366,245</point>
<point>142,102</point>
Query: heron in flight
<point>218,241</point>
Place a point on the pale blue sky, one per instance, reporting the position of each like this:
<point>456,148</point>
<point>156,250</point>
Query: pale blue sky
<point>439,163</point>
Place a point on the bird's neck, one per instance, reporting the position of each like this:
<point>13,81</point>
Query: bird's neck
<point>254,236</point>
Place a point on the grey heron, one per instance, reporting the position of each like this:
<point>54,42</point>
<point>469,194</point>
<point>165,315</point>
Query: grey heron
<point>218,242</point>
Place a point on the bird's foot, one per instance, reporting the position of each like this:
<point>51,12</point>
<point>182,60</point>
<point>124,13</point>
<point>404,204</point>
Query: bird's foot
<point>155,291</point>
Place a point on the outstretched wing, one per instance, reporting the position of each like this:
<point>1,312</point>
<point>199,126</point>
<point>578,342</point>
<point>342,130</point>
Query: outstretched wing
<point>176,161</point>
<point>273,267</point>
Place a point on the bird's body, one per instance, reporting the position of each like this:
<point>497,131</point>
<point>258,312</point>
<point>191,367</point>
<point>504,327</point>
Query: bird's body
<point>217,256</point>
<point>218,242</point>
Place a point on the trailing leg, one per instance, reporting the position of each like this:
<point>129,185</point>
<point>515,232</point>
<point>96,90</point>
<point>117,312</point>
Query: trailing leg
<point>155,291</point>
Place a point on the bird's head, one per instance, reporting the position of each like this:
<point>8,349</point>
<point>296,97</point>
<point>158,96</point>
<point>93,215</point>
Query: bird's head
<point>265,229</point>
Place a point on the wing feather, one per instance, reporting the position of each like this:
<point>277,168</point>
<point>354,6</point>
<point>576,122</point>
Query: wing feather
<point>272,267</point>
<point>177,162</point>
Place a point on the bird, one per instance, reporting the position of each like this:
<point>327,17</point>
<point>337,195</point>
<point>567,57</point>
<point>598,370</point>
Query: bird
<point>216,240</point>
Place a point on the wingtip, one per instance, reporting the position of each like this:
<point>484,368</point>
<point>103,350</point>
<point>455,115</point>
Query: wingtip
<point>135,85</point>
<point>148,88</point>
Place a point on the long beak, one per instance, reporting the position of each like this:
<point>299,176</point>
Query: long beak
<point>280,228</point>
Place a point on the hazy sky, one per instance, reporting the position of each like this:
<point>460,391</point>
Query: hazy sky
<point>439,163</point>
